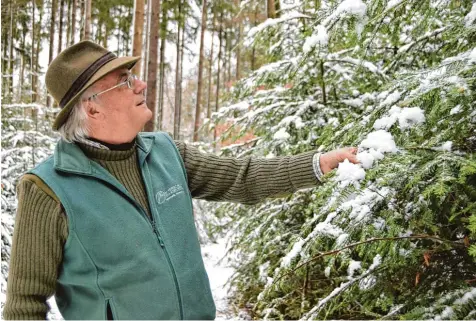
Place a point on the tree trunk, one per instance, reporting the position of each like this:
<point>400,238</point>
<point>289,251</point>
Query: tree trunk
<point>220,37</point>
<point>54,4</point>
<point>182,47</point>
<point>163,36</point>
<point>200,71</point>
<point>146,46</point>
<point>87,20</point>
<point>37,52</point>
<point>270,9</point>
<point>238,43</point>
<point>5,61</point>
<point>73,23</point>
<point>10,56</point>
<point>106,35</point>
<point>22,68</point>
<point>60,29</point>
<point>12,30</point>
<point>210,65</point>
<point>178,80</point>
<point>253,52</point>
<point>81,20</point>
<point>228,42</point>
<point>152,65</point>
<point>138,27</point>
<point>34,95</point>
<point>68,24</point>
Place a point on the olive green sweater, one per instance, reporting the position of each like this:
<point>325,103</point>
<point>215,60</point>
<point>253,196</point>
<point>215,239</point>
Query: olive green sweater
<point>41,227</point>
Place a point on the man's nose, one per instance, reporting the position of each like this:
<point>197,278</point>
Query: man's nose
<point>140,86</point>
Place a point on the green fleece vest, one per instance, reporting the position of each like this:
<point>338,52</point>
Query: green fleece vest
<point>117,262</point>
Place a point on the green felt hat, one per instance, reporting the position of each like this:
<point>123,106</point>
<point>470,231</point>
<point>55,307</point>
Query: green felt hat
<point>75,69</point>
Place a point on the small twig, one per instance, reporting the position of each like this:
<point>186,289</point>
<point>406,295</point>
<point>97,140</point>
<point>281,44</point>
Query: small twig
<point>422,236</point>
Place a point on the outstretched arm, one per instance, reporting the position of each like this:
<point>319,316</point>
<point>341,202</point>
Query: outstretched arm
<point>249,180</point>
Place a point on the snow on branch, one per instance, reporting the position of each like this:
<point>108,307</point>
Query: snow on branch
<point>250,37</point>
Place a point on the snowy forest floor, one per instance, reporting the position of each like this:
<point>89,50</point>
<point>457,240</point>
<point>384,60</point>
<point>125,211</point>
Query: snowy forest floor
<point>218,273</point>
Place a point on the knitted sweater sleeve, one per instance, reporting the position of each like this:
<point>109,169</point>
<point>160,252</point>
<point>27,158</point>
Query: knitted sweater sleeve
<point>38,238</point>
<point>245,180</point>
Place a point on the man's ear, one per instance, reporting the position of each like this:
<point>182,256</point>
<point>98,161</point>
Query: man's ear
<point>91,109</point>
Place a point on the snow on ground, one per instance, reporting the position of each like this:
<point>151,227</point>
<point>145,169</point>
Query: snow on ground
<point>54,313</point>
<point>218,273</point>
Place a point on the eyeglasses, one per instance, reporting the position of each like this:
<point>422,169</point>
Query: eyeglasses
<point>130,81</point>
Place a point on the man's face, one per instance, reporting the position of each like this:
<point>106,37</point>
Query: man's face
<point>121,112</point>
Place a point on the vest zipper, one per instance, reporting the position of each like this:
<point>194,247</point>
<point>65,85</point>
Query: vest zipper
<point>156,231</point>
<point>151,198</point>
<point>162,245</point>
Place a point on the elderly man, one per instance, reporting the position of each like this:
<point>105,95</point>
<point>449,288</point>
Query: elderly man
<point>106,223</point>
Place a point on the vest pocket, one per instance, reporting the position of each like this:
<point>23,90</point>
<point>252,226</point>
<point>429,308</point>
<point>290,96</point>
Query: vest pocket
<point>109,313</point>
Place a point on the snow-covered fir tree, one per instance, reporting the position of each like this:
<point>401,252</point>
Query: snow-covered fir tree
<point>27,139</point>
<point>393,237</point>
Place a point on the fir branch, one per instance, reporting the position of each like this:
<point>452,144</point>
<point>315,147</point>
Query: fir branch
<point>314,258</point>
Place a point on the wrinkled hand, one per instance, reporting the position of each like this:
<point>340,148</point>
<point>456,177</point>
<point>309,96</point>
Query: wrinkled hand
<point>331,160</point>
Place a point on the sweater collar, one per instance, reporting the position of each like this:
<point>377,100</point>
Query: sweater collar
<point>111,153</point>
<point>69,157</point>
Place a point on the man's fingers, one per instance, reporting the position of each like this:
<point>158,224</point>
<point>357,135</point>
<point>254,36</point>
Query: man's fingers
<point>353,159</point>
<point>352,150</point>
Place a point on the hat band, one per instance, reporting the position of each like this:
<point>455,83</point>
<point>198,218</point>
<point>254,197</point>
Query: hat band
<point>85,76</point>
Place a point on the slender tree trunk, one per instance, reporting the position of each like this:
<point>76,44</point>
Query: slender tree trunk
<point>224,56</point>
<point>5,61</point>
<point>177,78</point>
<point>152,68</point>
<point>106,35</point>
<point>38,50</point>
<point>22,75</point>
<point>60,29</point>
<point>238,43</point>
<point>228,40</point>
<point>210,65</point>
<point>68,24</point>
<point>200,71</point>
<point>270,9</point>
<point>9,79</point>
<point>73,23</point>
<point>182,47</point>
<point>163,36</point>
<point>87,20</point>
<point>22,68</point>
<point>146,47</point>
<point>34,116</point>
<point>34,96</point>
<point>81,19</point>
<point>10,56</point>
<point>138,28</point>
<point>54,4</point>
<point>253,52</point>
<point>220,36</point>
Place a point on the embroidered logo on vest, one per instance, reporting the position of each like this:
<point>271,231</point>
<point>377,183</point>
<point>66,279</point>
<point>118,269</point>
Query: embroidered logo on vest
<point>164,196</point>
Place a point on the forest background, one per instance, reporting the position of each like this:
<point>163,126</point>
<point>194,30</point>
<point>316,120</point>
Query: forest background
<point>391,238</point>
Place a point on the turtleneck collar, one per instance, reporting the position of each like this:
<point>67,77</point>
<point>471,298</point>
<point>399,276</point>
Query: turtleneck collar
<point>96,149</point>
<point>123,146</point>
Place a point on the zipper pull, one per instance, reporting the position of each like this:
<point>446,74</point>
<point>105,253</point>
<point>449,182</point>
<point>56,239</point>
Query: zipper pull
<point>154,228</point>
<point>161,242</point>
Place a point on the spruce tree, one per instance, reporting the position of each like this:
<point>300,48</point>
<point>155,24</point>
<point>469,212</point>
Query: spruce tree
<point>393,237</point>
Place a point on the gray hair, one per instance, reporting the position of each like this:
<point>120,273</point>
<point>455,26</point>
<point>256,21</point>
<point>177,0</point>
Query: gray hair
<point>76,128</point>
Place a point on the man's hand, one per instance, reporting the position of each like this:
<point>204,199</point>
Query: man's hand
<point>331,160</point>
